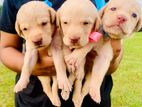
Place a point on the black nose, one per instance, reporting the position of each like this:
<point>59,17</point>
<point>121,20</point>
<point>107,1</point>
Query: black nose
<point>38,42</point>
<point>74,40</point>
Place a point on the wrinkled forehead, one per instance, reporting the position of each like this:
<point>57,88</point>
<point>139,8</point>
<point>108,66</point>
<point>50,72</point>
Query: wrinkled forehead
<point>128,5</point>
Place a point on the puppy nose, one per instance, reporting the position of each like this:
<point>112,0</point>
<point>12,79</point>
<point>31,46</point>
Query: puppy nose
<point>121,19</point>
<point>74,40</point>
<point>38,41</point>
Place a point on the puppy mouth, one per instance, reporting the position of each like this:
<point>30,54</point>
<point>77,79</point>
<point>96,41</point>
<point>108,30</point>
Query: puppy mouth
<point>75,45</point>
<point>117,26</point>
<point>41,46</point>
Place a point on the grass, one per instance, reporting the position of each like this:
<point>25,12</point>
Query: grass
<point>7,78</point>
<point>127,89</point>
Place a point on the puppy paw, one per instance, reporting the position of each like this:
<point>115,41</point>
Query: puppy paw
<point>64,84</point>
<point>71,68</point>
<point>73,59</point>
<point>65,94</point>
<point>21,84</point>
<point>79,74</point>
<point>77,100</point>
<point>95,94</point>
<point>56,101</point>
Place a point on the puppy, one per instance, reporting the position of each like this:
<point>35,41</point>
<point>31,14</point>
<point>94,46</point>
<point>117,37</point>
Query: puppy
<point>119,21</point>
<point>36,24</point>
<point>76,22</point>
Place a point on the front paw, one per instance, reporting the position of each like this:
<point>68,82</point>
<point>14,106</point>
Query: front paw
<point>80,74</point>
<point>21,84</point>
<point>71,68</point>
<point>77,100</point>
<point>95,94</point>
<point>64,84</point>
<point>65,95</point>
<point>73,59</point>
<point>56,101</point>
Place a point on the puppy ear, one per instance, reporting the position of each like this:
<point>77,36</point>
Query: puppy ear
<point>52,15</point>
<point>101,12</point>
<point>17,28</point>
<point>139,24</point>
<point>58,22</point>
<point>97,23</point>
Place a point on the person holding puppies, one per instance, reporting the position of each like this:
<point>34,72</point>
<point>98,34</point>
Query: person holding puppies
<point>12,57</point>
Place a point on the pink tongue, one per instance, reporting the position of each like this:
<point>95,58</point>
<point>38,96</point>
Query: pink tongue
<point>95,37</point>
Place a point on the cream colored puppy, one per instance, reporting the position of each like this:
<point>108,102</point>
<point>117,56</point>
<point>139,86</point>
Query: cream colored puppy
<point>76,23</point>
<point>36,24</point>
<point>119,21</point>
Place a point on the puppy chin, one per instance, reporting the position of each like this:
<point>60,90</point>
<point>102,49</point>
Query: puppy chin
<point>116,32</point>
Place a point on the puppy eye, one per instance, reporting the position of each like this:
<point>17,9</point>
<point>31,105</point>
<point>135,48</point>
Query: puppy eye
<point>134,15</point>
<point>113,8</point>
<point>85,23</point>
<point>44,23</point>
<point>25,29</point>
<point>65,23</point>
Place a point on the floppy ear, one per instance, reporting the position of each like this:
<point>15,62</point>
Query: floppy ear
<point>52,15</point>
<point>58,21</point>
<point>139,24</point>
<point>17,28</point>
<point>101,12</point>
<point>97,23</point>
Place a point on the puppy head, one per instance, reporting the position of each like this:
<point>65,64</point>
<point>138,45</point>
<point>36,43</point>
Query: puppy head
<point>35,23</point>
<point>77,22</point>
<point>121,20</point>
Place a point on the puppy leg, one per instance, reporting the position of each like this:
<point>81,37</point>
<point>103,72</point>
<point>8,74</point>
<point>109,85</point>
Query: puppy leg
<point>58,58</point>
<point>77,93</point>
<point>46,85</point>
<point>78,84</point>
<point>56,99</point>
<point>65,94</point>
<point>30,60</point>
<point>67,52</point>
<point>80,71</point>
<point>77,56</point>
<point>100,67</point>
<point>84,90</point>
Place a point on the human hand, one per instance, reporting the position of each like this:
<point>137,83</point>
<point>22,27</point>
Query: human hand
<point>44,67</point>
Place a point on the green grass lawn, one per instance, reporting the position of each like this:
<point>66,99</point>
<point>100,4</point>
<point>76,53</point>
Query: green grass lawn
<point>127,90</point>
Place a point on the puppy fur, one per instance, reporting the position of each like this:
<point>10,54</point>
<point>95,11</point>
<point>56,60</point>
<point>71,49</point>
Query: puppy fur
<point>121,24</point>
<point>76,22</point>
<point>119,21</point>
<point>36,24</point>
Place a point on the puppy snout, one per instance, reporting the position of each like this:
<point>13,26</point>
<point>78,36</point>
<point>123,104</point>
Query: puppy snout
<point>74,40</point>
<point>37,41</point>
<point>121,19</point>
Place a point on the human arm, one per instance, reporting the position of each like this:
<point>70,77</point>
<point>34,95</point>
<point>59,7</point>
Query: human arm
<point>13,58</point>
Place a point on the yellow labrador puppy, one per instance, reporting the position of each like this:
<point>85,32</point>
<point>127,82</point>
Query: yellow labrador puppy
<point>76,22</point>
<point>36,24</point>
<point>119,21</point>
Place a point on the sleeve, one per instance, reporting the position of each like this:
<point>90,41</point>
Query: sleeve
<point>8,17</point>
